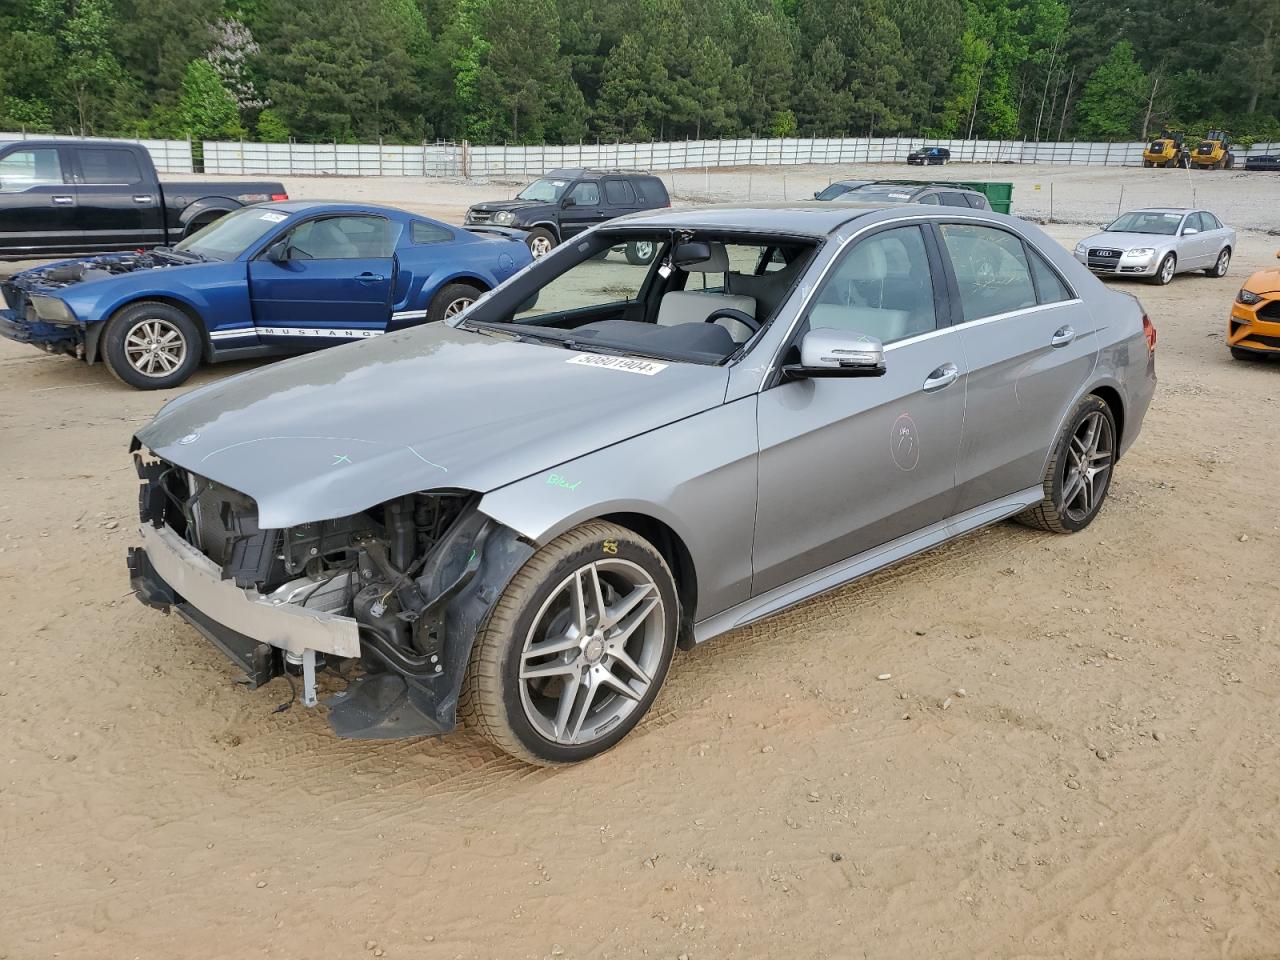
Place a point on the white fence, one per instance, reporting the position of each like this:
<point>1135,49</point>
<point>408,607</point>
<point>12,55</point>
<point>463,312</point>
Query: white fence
<point>447,159</point>
<point>169,156</point>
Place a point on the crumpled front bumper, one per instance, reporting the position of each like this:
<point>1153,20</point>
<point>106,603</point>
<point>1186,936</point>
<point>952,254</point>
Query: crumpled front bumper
<point>167,572</point>
<point>58,338</point>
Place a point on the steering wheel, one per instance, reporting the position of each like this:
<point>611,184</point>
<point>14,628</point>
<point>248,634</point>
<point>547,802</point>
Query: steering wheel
<point>746,319</point>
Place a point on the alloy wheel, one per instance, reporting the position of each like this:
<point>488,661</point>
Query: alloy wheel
<point>1166,270</point>
<point>592,651</point>
<point>540,247</point>
<point>644,250</point>
<point>457,306</point>
<point>1089,458</point>
<point>155,347</point>
<point>1224,261</point>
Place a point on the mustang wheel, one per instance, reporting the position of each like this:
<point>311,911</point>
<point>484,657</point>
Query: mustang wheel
<point>1164,274</point>
<point>540,241</point>
<point>1078,475</point>
<point>640,252</point>
<point>1219,268</point>
<point>451,301</point>
<point>151,345</point>
<point>576,648</point>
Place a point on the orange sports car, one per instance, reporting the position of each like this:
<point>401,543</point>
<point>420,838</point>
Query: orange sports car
<point>1253,328</point>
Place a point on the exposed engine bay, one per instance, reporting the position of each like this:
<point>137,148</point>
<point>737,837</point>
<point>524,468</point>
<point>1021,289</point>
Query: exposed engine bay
<point>417,574</point>
<point>60,275</point>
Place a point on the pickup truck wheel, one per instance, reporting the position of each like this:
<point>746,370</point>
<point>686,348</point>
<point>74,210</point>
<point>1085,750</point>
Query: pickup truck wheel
<point>576,648</point>
<point>151,346</point>
<point>451,301</point>
<point>540,241</point>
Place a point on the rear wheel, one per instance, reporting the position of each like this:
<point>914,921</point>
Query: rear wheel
<point>151,345</point>
<point>541,241</point>
<point>576,648</point>
<point>451,301</point>
<point>1220,266</point>
<point>1078,474</point>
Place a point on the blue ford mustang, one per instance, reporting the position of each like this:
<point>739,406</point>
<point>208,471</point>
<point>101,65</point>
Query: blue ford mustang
<point>266,280</point>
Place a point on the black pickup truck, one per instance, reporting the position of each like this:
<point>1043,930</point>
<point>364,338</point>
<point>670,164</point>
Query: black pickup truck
<point>69,197</point>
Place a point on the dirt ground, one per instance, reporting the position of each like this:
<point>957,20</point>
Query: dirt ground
<point>1107,784</point>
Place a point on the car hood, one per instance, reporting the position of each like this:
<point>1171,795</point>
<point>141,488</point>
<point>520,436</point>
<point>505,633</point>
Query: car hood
<point>493,206</point>
<point>1264,281</point>
<point>336,432</point>
<point>1127,241</point>
<point>53,278</point>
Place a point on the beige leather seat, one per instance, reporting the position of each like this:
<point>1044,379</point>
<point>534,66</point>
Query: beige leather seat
<point>694,306</point>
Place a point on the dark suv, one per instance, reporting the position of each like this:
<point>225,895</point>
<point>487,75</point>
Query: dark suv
<point>888,191</point>
<point>566,202</point>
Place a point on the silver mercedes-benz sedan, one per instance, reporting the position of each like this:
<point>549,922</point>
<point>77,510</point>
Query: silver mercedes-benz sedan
<point>516,515</point>
<point>1155,244</point>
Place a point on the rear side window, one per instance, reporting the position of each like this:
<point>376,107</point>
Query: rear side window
<point>651,191</point>
<point>108,166</point>
<point>429,233</point>
<point>1049,285</point>
<point>977,201</point>
<point>1210,221</point>
<point>991,270</point>
<point>1195,222</point>
<point>950,199</point>
<point>23,169</point>
<point>929,198</point>
<point>619,192</point>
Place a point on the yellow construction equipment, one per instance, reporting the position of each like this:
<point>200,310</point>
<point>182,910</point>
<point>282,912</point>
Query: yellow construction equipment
<point>1214,152</point>
<point>1166,150</point>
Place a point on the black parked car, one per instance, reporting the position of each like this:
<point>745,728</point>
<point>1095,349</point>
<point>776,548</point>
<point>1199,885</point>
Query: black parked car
<point>64,197</point>
<point>929,156</point>
<point>565,202</point>
<point>1269,163</point>
<point>887,191</point>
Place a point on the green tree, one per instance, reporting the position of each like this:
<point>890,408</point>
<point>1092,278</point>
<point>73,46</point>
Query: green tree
<point>823,102</point>
<point>270,128</point>
<point>206,109</point>
<point>1110,106</point>
<point>87,86</point>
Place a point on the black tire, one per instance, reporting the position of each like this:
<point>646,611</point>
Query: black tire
<point>1148,163</point>
<point>1051,513</point>
<point>492,698</point>
<point>1221,265</point>
<point>452,299</point>
<point>1250,356</point>
<point>540,241</point>
<point>1163,275</point>
<point>127,332</point>
<point>641,252</point>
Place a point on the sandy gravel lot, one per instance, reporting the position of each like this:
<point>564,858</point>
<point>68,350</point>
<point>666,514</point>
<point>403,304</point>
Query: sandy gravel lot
<point>1107,786</point>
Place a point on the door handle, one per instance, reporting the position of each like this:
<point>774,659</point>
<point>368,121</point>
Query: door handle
<point>367,277</point>
<point>1062,337</point>
<point>944,376</point>
<point>64,201</point>
<point>142,198</point>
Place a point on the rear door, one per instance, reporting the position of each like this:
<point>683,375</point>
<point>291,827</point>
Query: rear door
<point>37,202</point>
<point>118,201</point>
<point>1030,345</point>
<point>619,197</point>
<point>329,278</point>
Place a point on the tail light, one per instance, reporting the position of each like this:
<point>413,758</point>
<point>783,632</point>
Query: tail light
<point>279,196</point>
<point>1149,331</point>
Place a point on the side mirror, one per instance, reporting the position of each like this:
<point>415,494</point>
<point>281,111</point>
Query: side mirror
<point>837,353</point>
<point>1189,231</point>
<point>817,194</point>
<point>278,252</point>
<point>568,202</point>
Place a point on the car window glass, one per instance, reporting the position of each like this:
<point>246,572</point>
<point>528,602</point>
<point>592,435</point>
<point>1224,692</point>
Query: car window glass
<point>977,201</point>
<point>423,232</point>
<point>991,270</point>
<point>619,192</point>
<point>1210,221</point>
<point>1048,284</point>
<point>929,198</point>
<point>108,166</point>
<point>344,238</point>
<point>952,199</point>
<point>593,283</point>
<point>29,168</point>
<point>1193,222</point>
<point>586,193</point>
<point>882,288</point>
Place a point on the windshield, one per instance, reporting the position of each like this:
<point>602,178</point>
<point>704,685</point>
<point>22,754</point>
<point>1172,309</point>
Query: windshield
<point>229,236</point>
<point>545,190</point>
<point>1165,224</point>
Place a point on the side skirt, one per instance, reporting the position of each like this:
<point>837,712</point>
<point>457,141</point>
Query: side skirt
<point>877,558</point>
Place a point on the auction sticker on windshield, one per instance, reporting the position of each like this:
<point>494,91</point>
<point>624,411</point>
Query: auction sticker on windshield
<point>274,217</point>
<point>626,364</point>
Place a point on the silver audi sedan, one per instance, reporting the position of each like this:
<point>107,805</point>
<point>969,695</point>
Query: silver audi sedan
<point>515,516</point>
<point>1157,243</point>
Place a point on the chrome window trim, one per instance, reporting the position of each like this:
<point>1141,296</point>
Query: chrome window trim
<point>929,217</point>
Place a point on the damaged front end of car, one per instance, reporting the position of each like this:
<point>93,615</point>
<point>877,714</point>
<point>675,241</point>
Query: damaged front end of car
<point>390,598</point>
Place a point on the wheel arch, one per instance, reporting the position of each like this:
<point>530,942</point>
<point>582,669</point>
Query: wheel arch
<point>674,551</point>
<point>208,208</point>
<point>1115,403</point>
<point>549,225</point>
<point>190,309</point>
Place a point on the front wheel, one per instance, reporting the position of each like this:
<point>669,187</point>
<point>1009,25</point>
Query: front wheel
<point>540,242</point>
<point>451,301</point>
<point>151,345</point>
<point>1219,268</point>
<point>1078,475</point>
<point>1164,273</point>
<point>640,252</point>
<point>576,648</point>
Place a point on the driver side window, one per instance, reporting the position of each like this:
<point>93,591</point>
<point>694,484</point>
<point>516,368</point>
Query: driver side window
<point>343,238</point>
<point>883,287</point>
<point>586,194</point>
